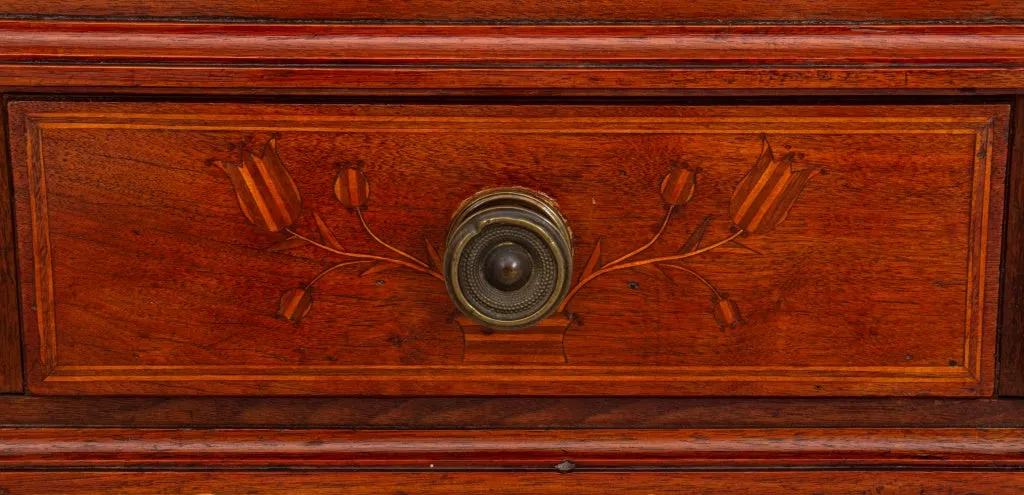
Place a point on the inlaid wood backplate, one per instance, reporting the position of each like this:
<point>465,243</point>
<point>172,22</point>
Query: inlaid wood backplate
<point>287,249</point>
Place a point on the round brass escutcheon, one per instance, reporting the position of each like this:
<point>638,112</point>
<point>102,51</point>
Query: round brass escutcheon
<point>508,258</point>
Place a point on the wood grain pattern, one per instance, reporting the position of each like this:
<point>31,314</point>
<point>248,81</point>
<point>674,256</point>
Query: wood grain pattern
<point>507,412</point>
<point>519,449</point>
<point>905,46</point>
<point>1011,341</point>
<point>577,11</point>
<point>10,325</point>
<point>415,81</point>
<point>152,258</point>
<point>464,483</point>
<point>464,59</point>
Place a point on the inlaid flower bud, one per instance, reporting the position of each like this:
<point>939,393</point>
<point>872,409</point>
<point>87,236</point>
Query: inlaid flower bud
<point>351,187</point>
<point>295,304</point>
<point>764,197</point>
<point>266,193</point>
<point>727,313</point>
<point>679,186</point>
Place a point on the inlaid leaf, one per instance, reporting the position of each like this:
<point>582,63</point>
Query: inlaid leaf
<point>326,234</point>
<point>287,244</point>
<point>594,262</point>
<point>693,242</point>
<point>435,257</point>
<point>380,266</point>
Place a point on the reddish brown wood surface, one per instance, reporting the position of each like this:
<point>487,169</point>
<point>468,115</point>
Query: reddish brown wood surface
<point>589,59</point>
<point>522,46</point>
<point>507,412</point>
<point>537,10</point>
<point>206,80</point>
<point>1011,343</point>
<point>10,325</point>
<point>148,279</point>
<point>639,483</point>
<point>515,449</point>
<point>459,59</point>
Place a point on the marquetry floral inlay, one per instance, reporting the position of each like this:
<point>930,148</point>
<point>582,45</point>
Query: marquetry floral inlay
<point>269,198</point>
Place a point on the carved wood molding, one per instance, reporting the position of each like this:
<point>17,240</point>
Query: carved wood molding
<point>662,46</point>
<point>121,448</point>
<point>535,10</point>
<point>585,60</point>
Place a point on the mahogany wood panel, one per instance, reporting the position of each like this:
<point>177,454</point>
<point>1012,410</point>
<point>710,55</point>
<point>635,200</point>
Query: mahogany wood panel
<point>143,276</point>
<point>506,412</point>
<point>1011,343</point>
<point>521,46</point>
<point>808,11</point>
<point>510,449</point>
<point>10,324</point>
<point>464,483</point>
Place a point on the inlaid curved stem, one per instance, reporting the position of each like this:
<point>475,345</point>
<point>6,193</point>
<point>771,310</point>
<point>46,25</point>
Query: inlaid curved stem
<point>696,275</point>
<point>331,269</point>
<point>359,213</point>
<point>664,223</point>
<point>367,256</point>
<point>633,264</point>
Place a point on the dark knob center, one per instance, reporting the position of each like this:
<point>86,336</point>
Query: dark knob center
<point>508,266</point>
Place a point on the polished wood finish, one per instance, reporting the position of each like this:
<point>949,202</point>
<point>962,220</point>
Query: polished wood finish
<point>1011,343</point>
<point>519,449</point>
<point>459,59</point>
<point>550,483</point>
<point>506,412</point>
<point>577,11</point>
<point>10,324</point>
<point>500,46</point>
<point>138,230</point>
<point>509,52</point>
<point>271,80</point>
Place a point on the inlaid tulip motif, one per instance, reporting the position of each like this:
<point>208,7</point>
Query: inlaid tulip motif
<point>764,197</point>
<point>680,184</point>
<point>760,202</point>
<point>266,193</point>
<point>351,187</point>
<point>270,200</point>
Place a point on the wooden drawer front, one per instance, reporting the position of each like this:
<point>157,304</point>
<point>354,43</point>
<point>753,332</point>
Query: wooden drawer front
<point>821,250</point>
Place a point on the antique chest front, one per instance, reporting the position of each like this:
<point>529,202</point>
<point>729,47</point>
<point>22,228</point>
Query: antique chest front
<point>411,248</point>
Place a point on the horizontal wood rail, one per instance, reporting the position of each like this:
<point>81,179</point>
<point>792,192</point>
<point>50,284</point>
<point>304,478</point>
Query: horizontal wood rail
<point>517,449</point>
<point>490,483</point>
<point>512,46</point>
<point>536,10</point>
<point>441,413</point>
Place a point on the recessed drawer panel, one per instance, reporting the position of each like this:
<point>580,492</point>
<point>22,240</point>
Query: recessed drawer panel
<point>531,250</point>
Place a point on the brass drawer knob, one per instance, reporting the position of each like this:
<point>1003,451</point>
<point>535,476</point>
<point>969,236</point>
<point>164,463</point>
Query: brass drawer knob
<point>509,258</point>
